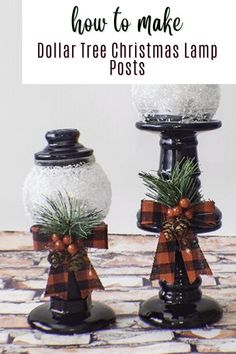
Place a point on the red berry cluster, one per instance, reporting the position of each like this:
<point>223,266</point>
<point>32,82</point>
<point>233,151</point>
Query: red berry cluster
<point>182,209</point>
<point>65,243</point>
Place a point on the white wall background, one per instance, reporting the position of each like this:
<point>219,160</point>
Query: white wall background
<point>106,118</point>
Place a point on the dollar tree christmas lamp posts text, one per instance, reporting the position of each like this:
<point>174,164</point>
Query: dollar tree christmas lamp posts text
<point>125,58</point>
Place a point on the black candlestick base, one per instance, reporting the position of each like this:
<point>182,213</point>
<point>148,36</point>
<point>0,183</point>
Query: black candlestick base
<point>197,314</point>
<point>180,305</point>
<point>97,317</point>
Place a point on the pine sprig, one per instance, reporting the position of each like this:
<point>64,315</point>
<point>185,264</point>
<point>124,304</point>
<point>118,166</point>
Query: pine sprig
<point>64,215</point>
<point>180,183</point>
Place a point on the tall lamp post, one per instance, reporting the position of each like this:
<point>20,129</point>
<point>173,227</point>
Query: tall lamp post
<point>178,113</point>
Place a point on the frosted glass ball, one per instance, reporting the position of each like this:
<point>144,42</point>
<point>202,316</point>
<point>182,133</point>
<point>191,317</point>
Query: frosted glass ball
<point>186,103</point>
<point>87,182</point>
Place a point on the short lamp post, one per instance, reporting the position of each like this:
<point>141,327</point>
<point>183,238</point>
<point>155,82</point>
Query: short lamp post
<point>68,167</point>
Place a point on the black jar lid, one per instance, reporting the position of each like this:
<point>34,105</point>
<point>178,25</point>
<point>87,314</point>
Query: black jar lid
<point>63,149</point>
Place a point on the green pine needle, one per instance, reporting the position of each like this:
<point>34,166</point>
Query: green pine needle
<point>180,183</point>
<point>64,215</point>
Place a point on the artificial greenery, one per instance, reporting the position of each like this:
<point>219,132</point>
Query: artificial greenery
<point>180,183</point>
<point>64,215</point>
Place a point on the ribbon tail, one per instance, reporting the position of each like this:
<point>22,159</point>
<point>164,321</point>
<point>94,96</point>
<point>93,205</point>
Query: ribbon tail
<point>57,284</point>
<point>164,261</point>
<point>87,279</point>
<point>194,261</point>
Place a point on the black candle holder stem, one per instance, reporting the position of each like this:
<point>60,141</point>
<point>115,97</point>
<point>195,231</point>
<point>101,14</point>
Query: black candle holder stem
<point>181,304</point>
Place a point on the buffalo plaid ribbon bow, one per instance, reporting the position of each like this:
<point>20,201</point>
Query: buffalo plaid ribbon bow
<point>86,277</point>
<point>172,238</point>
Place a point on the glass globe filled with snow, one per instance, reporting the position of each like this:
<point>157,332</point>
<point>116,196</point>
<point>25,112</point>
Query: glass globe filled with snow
<point>176,103</point>
<point>66,166</point>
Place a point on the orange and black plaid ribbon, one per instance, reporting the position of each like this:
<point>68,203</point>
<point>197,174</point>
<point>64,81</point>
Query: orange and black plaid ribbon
<point>86,276</point>
<point>186,241</point>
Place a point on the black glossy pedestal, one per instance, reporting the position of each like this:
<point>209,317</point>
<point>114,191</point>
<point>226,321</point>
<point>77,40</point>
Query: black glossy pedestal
<point>97,317</point>
<point>75,315</point>
<point>195,314</point>
<point>179,305</point>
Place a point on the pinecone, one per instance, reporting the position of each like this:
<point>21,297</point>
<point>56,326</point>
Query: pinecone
<point>56,259</point>
<point>181,225</point>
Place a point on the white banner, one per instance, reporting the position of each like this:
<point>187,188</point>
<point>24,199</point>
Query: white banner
<point>124,42</point>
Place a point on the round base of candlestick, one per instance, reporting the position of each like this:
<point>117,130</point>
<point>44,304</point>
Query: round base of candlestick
<point>158,313</point>
<point>97,317</point>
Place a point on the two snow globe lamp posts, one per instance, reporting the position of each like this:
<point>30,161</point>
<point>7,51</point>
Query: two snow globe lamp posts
<point>178,113</point>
